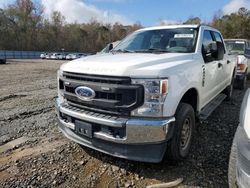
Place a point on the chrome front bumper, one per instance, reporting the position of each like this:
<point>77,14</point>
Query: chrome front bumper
<point>144,133</point>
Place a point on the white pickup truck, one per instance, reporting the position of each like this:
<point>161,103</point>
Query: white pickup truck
<point>143,99</point>
<point>236,49</point>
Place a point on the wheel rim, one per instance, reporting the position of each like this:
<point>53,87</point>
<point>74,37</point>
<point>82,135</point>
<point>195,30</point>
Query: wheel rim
<point>185,133</point>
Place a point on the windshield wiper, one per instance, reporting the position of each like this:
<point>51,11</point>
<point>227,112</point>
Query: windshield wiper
<point>152,50</point>
<point>123,51</point>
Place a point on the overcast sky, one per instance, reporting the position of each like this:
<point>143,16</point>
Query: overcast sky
<point>147,12</point>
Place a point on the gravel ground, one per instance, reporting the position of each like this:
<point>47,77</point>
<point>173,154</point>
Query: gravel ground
<point>33,153</point>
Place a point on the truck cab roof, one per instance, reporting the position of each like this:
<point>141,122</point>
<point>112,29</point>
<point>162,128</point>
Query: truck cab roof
<point>178,26</point>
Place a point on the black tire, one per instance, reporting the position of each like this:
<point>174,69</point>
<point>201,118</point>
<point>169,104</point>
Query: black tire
<point>242,82</point>
<point>229,90</point>
<point>232,166</point>
<point>177,150</point>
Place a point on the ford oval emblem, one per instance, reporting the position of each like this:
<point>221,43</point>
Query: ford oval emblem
<point>84,93</point>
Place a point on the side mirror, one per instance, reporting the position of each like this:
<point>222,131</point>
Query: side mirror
<point>213,47</point>
<point>247,53</point>
<point>110,46</point>
<point>214,51</point>
<point>209,49</point>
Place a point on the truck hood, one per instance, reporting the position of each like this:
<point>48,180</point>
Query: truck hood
<point>127,64</point>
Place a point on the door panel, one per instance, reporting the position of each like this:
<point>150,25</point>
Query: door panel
<point>211,78</point>
<point>224,67</point>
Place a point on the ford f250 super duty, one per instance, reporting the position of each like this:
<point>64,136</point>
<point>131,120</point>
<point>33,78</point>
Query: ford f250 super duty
<point>143,99</point>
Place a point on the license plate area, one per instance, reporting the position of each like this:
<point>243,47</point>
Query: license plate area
<point>83,128</point>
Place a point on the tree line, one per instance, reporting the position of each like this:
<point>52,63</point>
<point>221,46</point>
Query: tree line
<point>23,26</point>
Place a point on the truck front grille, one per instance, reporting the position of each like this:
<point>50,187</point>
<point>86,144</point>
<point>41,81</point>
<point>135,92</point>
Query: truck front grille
<point>114,95</point>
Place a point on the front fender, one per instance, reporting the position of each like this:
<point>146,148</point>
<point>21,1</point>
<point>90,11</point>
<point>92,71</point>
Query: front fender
<point>174,98</point>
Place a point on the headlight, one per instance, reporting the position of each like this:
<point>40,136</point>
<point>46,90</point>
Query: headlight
<point>154,97</point>
<point>245,113</point>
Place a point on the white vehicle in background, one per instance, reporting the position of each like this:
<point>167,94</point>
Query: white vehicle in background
<point>75,56</point>
<point>239,163</point>
<point>61,56</point>
<point>54,56</point>
<point>237,48</point>
<point>83,55</point>
<point>43,55</point>
<point>47,56</point>
<point>69,56</point>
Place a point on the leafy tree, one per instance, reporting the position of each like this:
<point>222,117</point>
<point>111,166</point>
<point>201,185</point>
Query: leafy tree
<point>235,25</point>
<point>193,20</point>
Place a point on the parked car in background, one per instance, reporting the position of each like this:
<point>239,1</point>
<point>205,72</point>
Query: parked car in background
<point>61,56</point>
<point>239,162</point>
<point>47,56</point>
<point>83,55</point>
<point>236,48</point>
<point>75,56</point>
<point>54,56</point>
<point>86,54</point>
<point>43,55</point>
<point>69,56</point>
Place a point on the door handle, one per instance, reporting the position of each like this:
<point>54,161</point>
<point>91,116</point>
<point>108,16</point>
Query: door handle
<point>220,65</point>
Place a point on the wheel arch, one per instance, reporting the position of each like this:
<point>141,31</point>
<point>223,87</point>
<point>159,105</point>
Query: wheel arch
<point>191,96</point>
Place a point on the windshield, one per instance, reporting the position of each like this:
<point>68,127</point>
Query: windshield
<point>180,40</point>
<point>235,47</point>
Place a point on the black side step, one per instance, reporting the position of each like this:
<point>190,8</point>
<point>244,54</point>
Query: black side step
<point>211,106</point>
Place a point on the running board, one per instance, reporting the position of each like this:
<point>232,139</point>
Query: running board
<point>211,106</point>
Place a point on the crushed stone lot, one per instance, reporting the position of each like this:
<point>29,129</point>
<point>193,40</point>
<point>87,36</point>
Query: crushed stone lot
<point>34,153</point>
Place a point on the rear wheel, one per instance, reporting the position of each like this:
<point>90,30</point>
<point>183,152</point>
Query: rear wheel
<point>229,90</point>
<point>179,145</point>
<point>242,82</point>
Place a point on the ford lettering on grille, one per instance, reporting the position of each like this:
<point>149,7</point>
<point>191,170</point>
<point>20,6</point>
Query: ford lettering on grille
<point>85,93</point>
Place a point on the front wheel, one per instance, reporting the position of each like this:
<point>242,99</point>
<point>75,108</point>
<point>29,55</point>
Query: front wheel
<point>242,82</point>
<point>179,145</point>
